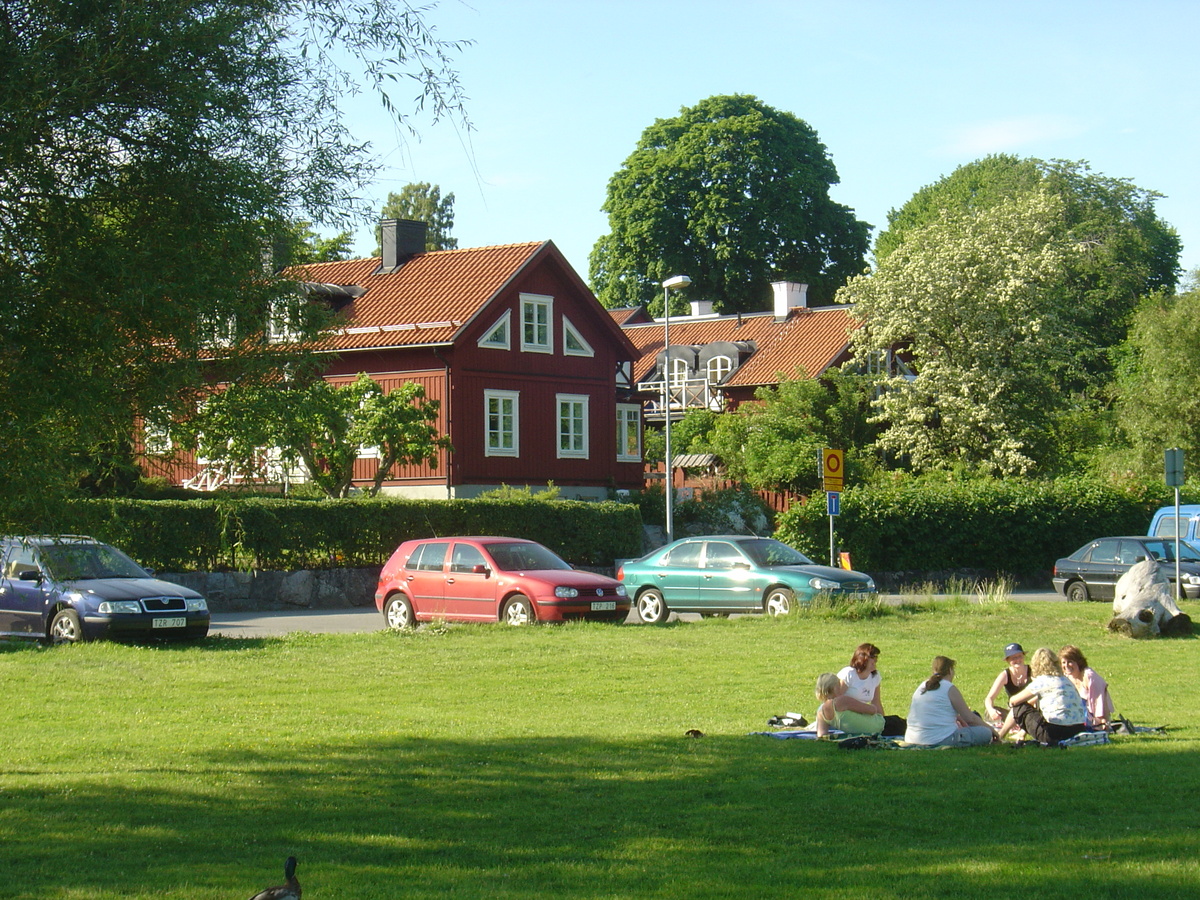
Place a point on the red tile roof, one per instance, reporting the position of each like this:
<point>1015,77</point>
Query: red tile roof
<point>809,340</point>
<point>426,301</point>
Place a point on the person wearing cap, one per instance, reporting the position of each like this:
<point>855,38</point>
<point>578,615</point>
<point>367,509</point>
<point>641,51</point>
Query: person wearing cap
<point>1050,709</point>
<point>1011,680</point>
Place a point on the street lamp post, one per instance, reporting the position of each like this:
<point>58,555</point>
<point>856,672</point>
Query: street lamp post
<point>674,283</point>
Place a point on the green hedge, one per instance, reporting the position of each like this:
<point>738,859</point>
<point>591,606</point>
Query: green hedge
<point>1010,527</point>
<point>266,534</point>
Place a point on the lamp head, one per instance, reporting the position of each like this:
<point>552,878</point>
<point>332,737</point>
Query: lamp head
<point>675,282</point>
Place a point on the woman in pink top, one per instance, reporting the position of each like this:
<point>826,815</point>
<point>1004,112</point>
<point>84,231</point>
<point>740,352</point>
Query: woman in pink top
<point>1092,688</point>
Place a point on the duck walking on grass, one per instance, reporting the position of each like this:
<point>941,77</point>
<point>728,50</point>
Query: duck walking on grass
<point>289,890</point>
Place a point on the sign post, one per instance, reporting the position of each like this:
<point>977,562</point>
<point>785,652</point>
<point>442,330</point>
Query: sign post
<point>832,477</point>
<point>1173,475</point>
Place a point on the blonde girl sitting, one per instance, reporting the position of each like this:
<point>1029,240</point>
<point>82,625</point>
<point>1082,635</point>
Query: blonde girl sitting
<point>840,712</point>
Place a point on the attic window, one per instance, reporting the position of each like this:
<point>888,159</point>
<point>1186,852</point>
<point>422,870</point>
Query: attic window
<point>536,335</point>
<point>498,336</point>
<point>573,342</point>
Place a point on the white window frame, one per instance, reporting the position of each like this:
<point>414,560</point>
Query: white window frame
<point>543,307</point>
<point>156,439</point>
<point>629,416</point>
<point>281,327</point>
<point>575,435</point>
<point>570,331</point>
<point>717,369</point>
<point>514,413</point>
<point>505,343</point>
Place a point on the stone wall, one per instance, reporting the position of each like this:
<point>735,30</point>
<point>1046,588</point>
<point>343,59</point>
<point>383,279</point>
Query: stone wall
<point>303,589</point>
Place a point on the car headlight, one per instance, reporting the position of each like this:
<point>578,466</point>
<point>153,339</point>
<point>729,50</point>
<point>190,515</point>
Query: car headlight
<point>111,607</point>
<point>566,593</point>
<point>621,592</point>
<point>197,604</point>
<point>824,584</point>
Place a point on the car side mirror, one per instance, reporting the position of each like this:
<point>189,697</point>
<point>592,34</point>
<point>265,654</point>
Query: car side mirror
<point>742,565</point>
<point>1138,559</point>
<point>480,569</point>
<point>30,575</point>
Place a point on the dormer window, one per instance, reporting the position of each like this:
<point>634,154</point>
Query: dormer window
<point>718,369</point>
<point>281,323</point>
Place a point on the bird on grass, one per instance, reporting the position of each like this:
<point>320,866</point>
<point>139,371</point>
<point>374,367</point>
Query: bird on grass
<point>289,890</point>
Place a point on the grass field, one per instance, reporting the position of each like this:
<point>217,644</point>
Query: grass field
<point>490,762</point>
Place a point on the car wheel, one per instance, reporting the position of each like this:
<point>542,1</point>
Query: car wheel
<point>779,601</point>
<point>1077,592</point>
<point>398,612</point>
<point>651,607</point>
<point>518,611</point>
<point>65,627</point>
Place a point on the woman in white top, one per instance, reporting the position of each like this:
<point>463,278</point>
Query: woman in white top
<point>940,717</point>
<point>862,681</point>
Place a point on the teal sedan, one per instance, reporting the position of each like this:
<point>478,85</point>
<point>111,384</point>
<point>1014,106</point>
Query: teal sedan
<point>721,574</point>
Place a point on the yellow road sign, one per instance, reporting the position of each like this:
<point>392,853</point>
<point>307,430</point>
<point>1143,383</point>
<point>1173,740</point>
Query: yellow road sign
<point>832,472</point>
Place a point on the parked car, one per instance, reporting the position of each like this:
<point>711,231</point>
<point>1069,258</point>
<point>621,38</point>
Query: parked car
<point>1092,571</point>
<point>65,588</point>
<point>490,579</point>
<point>719,574</point>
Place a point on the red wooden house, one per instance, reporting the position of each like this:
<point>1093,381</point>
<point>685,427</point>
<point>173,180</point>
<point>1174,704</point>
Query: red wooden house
<point>533,377</point>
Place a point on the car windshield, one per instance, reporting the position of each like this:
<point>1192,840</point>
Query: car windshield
<point>766,552</point>
<point>1166,550</point>
<point>75,562</point>
<point>522,557</point>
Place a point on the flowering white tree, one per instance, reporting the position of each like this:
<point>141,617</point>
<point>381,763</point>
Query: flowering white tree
<point>973,296</point>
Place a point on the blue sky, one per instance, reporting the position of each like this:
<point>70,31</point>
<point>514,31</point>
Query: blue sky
<point>900,93</point>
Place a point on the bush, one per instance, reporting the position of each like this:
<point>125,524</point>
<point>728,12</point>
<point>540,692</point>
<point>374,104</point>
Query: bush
<point>273,533</point>
<point>1011,527</point>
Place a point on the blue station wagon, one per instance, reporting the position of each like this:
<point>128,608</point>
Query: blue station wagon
<point>66,588</point>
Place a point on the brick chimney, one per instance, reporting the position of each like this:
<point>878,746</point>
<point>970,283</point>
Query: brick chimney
<point>401,240</point>
<point>789,295</point>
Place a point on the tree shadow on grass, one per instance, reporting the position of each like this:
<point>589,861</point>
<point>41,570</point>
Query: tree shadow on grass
<point>400,816</point>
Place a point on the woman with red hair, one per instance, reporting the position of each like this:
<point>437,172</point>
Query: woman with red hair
<point>862,680</point>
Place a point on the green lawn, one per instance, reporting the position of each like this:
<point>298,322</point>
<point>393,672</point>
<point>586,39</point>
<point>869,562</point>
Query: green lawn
<point>484,761</point>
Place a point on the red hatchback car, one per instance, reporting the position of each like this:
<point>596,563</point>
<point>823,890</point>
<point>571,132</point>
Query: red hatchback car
<point>491,579</point>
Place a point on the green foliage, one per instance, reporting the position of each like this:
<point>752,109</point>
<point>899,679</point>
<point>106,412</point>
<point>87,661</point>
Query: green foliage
<point>524,492</point>
<point>150,152</point>
<point>973,295</point>
<point>423,202</point>
<point>775,444</point>
<point>736,510</point>
<point>273,533</point>
<point>1158,389</point>
<point>734,194</point>
<point>320,424</point>
<point>1012,527</point>
<point>1127,251</point>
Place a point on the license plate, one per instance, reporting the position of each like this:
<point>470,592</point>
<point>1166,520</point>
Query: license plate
<point>598,605</point>
<point>179,622</point>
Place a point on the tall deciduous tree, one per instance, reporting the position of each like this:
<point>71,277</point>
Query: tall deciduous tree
<point>1158,389</point>
<point>149,154</point>
<point>319,425</point>
<point>735,195</point>
<point>1129,251</point>
<point>972,294</point>
<point>423,202</point>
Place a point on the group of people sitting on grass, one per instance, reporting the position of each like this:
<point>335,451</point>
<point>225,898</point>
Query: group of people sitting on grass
<point>1053,698</point>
